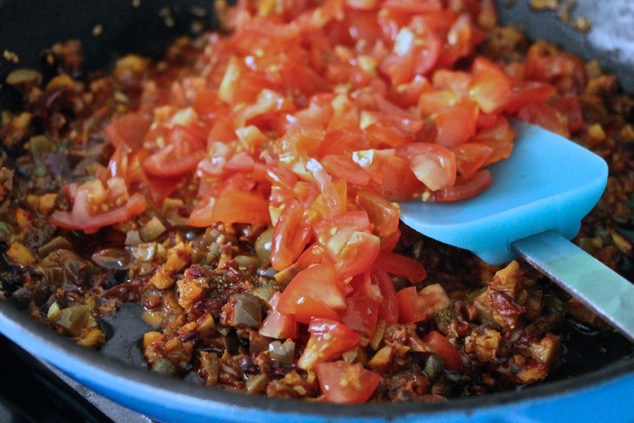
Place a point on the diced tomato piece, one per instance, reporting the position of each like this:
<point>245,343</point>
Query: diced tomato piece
<point>348,242</point>
<point>313,292</point>
<point>499,137</point>
<point>470,157</point>
<point>389,307</point>
<point>326,186</point>
<point>433,165</point>
<point>456,124</point>
<point>420,306</point>
<point>164,164</point>
<point>528,92</point>
<point>361,314</point>
<point>328,339</point>
<point>80,217</point>
<point>465,187</point>
<point>393,177</point>
<point>490,87</point>
<point>346,383</point>
<point>342,166</point>
<point>415,52</point>
<point>546,116</point>
<point>545,63</point>
<point>241,207</point>
<point>439,344</point>
<point>129,129</point>
<point>290,236</point>
<point>400,265</point>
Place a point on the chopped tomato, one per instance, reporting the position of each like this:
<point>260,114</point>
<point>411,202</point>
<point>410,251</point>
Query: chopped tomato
<point>313,292</point>
<point>383,215</point>
<point>342,166</point>
<point>499,137</point>
<point>346,383</point>
<point>241,207</point>
<point>470,157</point>
<point>420,306</point>
<point>88,214</point>
<point>348,242</point>
<point>439,344</point>
<point>278,325</point>
<point>456,124</point>
<point>433,164</point>
<point>415,52</point>
<point>528,92</point>
<point>328,339</point>
<point>490,86</point>
<point>392,177</point>
<point>400,265</point>
<point>546,64</point>
<point>290,236</point>
<point>164,164</point>
<point>546,116</point>
<point>128,129</point>
<point>389,308</point>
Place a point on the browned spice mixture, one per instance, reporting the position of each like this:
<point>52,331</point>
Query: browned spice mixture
<point>509,326</point>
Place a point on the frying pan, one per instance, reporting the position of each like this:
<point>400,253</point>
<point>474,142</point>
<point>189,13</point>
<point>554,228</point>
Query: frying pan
<point>601,390</point>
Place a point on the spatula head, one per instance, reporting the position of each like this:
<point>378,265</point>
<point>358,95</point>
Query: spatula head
<point>548,183</point>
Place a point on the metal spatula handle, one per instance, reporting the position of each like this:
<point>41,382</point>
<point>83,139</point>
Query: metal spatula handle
<point>584,277</point>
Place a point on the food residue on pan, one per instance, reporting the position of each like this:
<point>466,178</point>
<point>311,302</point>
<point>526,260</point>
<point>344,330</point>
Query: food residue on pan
<point>564,12</point>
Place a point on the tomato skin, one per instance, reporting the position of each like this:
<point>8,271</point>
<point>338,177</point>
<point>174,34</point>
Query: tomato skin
<point>465,188</point>
<point>313,292</point>
<point>79,218</point>
<point>358,387</point>
<point>328,339</point>
<point>389,307</point>
<point>420,306</point>
<point>440,345</point>
<point>383,215</point>
<point>290,236</point>
<point>400,265</point>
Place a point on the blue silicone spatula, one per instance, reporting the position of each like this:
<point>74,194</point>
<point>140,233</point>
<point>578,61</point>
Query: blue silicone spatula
<point>532,209</point>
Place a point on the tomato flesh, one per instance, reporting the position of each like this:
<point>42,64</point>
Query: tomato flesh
<point>328,339</point>
<point>346,383</point>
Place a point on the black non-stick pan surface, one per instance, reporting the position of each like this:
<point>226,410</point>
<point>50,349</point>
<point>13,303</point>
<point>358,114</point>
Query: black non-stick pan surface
<point>601,391</point>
